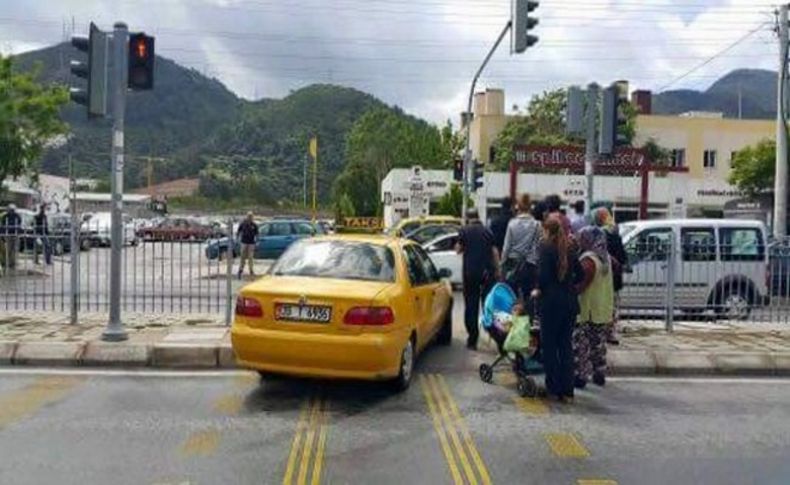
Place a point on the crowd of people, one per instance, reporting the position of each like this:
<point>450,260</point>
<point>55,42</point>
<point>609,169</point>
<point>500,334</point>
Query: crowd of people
<point>567,272</point>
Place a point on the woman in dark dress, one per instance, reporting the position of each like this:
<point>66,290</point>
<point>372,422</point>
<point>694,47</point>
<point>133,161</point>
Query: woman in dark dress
<point>558,273</point>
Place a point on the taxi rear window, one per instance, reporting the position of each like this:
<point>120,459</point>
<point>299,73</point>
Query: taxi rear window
<point>346,260</point>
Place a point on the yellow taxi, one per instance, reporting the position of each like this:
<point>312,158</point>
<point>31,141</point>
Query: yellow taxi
<point>344,306</point>
<point>405,226</point>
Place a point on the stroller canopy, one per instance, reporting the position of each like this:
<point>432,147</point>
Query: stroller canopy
<point>501,298</point>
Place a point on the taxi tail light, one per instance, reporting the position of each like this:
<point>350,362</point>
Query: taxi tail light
<point>248,307</point>
<point>369,315</point>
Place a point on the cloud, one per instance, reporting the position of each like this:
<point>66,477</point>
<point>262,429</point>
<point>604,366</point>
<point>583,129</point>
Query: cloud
<point>419,56</point>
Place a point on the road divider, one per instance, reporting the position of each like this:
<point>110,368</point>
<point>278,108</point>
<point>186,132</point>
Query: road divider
<point>463,460</point>
<point>306,459</point>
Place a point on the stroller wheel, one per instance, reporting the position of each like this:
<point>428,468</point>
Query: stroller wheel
<point>527,387</point>
<point>486,373</point>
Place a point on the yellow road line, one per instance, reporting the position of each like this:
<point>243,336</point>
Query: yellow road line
<point>453,431</point>
<point>532,406</point>
<point>319,453</point>
<point>470,444</point>
<point>201,443</point>
<point>295,446</point>
<point>230,404</point>
<point>309,444</point>
<point>31,398</point>
<point>565,445</point>
<point>438,426</point>
<point>595,481</point>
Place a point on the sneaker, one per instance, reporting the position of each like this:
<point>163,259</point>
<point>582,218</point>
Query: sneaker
<point>599,379</point>
<point>579,383</point>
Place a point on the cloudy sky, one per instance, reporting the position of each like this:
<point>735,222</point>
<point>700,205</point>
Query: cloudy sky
<point>422,54</point>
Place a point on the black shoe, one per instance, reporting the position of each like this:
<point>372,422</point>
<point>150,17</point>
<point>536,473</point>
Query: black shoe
<point>599,379</point>
<point>579,383</point>
<point>471,345</point>
<point>613,341</point>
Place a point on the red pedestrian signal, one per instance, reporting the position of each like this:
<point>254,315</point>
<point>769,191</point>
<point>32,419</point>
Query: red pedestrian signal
<point>141,61</point>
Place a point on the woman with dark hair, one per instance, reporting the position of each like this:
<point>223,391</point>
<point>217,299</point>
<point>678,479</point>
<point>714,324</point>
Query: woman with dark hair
<point>596,307</point>
<point>558,273</point>
<point>554,208</point>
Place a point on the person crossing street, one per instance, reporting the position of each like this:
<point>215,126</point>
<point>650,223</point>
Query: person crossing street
<point>248,235</point>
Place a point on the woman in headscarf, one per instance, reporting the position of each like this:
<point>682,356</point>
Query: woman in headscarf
<point>596,307</point>
<point>614,245</point>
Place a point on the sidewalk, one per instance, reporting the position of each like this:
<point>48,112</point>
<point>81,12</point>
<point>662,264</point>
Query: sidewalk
<point>200,342</point>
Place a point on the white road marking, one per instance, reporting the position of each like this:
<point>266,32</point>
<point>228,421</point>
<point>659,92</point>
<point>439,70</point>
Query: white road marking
<point>121,372</point>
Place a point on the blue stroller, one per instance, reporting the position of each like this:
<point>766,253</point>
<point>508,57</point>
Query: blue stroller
<point>525,362</point>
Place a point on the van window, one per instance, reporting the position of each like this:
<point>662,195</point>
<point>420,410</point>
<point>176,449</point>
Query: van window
<point>698,244</point>
<point>741,244</point>
<point>650,245</point>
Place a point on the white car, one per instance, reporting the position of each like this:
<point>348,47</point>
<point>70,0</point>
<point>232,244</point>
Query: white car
<point>97,226</point>
<point>443,255</point>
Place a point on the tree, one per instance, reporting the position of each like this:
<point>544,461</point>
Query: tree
<point>451,203</point>
<point>752,169</point>
<point>29,119</point>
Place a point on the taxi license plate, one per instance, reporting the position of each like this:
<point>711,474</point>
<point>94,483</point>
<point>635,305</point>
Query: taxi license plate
<point>304,313</point>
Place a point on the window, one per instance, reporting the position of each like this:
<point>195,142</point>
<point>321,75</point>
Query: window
<point>427,265</point>
<point>709,159</point>
<point>444,244</point>
<point>679,157</point>
<point>650,245</point>
<point>337,259</point>
<point>303,228</point>
<point>698,244</point>
<point>741,244</point>
<point>280,229</point>
<point>264,230</point>
<point>417,275</point>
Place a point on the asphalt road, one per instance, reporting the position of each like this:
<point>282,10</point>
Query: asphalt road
<point>93,427</point>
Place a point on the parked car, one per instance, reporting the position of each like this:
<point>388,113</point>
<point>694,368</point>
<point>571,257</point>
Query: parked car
<point>719,265</point>
<point>60,235</point>
<point>274,237</point>
<point>405,226</point>
<point>429,232</point>
<point>442,253</point>
<point>178,229</point>
<point>97,226</point>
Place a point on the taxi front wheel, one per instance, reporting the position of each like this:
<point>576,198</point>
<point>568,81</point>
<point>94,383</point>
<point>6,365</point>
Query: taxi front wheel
<point>402,382</point>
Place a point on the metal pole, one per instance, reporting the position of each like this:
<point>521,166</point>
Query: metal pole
<point>115,330</point>
<point>591,151</point>
<point>315,181</point>
<point>468,115</point>
<point>304,193</point>
<point>780,184</point>
<point>670,293</point>
<point>229,275</point>
<point>75,247</point>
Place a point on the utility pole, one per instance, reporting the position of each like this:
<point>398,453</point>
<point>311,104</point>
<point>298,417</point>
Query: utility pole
<point>780,184</point>
<point>115,331</point>
<point>591,150</point>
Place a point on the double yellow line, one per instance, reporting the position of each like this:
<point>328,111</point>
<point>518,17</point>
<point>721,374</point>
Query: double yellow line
<point>308,444</point>
<point>454,437</point>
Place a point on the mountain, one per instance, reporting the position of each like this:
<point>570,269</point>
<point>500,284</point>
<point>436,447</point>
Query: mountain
<point>757,90</point>
<point>182,110</point>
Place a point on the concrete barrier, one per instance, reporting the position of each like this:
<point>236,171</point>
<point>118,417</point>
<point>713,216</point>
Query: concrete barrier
<point>631,362</point>
<point>122,354</point>
<point>7,350</point>
<point>743,363</point>
<point>184,355</point>
<point>49,353</point>
<point>226,359</point>
<point>684,363</point>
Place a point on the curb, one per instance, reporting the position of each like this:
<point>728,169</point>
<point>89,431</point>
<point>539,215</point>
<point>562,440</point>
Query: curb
<point>687,363</point>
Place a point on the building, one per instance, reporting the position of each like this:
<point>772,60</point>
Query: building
<point>185,187</point>
<point>135,205</point>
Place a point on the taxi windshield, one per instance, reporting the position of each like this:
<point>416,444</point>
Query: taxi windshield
<point>337,259</point>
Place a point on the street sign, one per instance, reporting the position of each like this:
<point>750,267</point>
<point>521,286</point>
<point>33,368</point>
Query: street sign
<point>572,158</point>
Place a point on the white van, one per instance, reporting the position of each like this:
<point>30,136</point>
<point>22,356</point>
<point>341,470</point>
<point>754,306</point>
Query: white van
<point>720,265</point>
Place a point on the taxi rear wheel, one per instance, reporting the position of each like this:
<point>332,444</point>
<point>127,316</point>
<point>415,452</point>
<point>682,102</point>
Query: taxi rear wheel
<point>402,382</point>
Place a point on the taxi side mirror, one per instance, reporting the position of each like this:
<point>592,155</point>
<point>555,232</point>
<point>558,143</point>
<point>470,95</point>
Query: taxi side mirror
<point>445,273</point>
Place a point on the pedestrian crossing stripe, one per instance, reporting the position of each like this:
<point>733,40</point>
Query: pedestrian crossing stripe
<point>565,445</point>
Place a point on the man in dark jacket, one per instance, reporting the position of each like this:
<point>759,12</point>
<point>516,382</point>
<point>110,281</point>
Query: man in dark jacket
<point>41,229</point>
<point>248,236</point>
<point>10,227</point>
<point>499,223</point>
<point>480,270</point>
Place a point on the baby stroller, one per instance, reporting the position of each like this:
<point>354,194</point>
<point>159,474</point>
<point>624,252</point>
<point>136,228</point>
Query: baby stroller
<point>525,361</point>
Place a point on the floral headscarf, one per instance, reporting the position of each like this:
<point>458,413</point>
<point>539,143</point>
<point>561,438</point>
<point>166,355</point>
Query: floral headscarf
<point>603,218</point>
<point>593,239</point>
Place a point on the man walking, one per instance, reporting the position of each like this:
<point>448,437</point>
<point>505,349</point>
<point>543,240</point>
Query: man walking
<point>41,229</point>
<point>248,235</point>
<point>480,269</point>
<point>10,227</point>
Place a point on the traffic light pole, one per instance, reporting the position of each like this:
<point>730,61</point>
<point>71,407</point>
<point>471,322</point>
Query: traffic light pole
<point>781,169</point>
<point>115,331</point>
<point>591,149</point>
<point>468,151</point>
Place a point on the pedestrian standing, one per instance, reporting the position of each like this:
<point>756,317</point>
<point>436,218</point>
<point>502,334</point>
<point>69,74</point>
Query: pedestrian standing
<point>10,227</point>
<point>499,224</point>
<point>578,219</point>
<point>520,251</point>
<point>41,229</point>
<point>480,270</point>
<point>596,307</point>
<point>559,272</point>
<point>248,235</point>
<point>554,208</point>
<point>614,245</point>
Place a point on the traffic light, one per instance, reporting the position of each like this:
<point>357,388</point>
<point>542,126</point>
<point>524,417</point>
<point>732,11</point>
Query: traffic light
<point>458,170</point>
<point>614,118</point>
<point>94,71</point>
<point>478,175</point>
<point>141,61</point>
<point>522,24</point>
